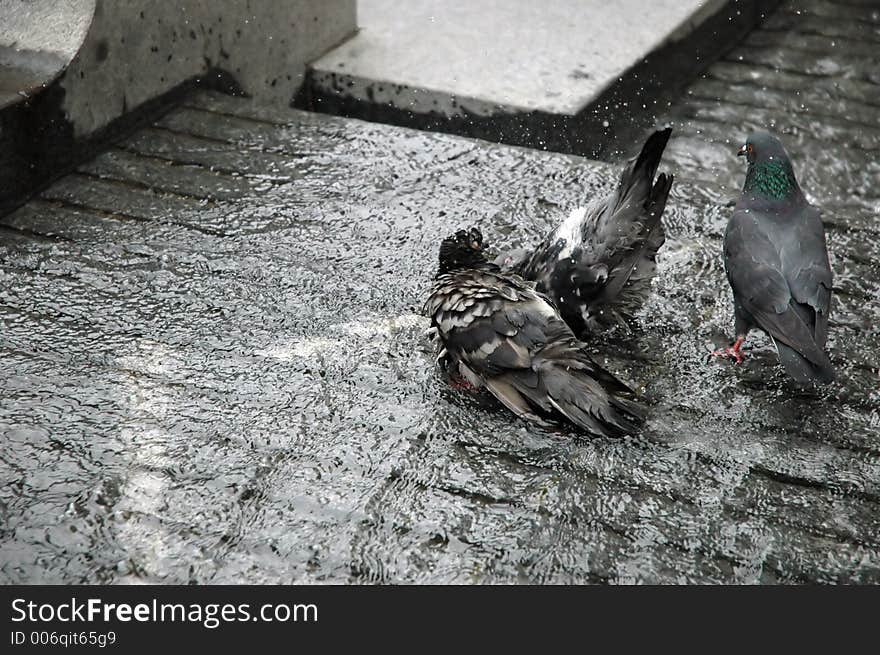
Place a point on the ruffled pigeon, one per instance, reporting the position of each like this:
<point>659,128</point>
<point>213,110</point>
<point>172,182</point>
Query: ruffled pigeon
<point>500,333</point>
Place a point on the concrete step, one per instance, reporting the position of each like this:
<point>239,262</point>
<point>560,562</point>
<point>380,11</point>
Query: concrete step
<point>566,75</point>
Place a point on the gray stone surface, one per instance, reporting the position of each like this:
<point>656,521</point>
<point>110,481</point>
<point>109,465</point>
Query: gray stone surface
<point>214,371</point>
<point>501,56</point>
<point>50,26</point>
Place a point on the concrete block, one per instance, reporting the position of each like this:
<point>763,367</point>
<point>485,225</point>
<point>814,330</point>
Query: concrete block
<point>560,74</point>
<point>137,50</point>
<point>37,40</point>
<point>74,68</point>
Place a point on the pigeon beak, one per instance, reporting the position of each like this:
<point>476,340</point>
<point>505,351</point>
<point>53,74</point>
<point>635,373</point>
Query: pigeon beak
<point>743,151</point>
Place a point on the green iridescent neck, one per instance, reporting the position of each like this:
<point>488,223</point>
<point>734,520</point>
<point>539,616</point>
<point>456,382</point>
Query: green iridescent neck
<point>770,179</point>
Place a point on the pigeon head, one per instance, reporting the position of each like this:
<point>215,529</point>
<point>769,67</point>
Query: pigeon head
<point>464,249</point>
<point>762,146</point>
<point>770,174</point>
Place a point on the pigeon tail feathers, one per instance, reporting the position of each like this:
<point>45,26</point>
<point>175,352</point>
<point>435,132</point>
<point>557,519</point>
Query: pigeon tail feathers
<point>571,384</point>
<point>801,369</point>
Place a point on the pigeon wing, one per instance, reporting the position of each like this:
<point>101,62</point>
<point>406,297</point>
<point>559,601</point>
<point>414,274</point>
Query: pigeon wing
<point>754,269</point>
<point>598,263</point>
<point>804,258</point>
<point>513,339</point>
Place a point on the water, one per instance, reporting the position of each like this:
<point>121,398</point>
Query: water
<point>254,400</point>
<point>215,372</point>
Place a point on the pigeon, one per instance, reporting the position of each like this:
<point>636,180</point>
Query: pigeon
<point>777,264</point>
<point>597,265</point>
<point>503,335</point>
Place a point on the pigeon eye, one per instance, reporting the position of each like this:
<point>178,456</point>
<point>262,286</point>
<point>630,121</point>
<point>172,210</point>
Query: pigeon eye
<point>749,148</point>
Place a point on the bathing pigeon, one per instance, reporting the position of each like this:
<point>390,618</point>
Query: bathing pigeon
<point>777,264</point>
<point>500,333</point>
<point>598,264</point>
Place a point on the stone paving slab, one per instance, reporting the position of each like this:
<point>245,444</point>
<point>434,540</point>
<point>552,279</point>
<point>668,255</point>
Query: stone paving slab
<point>76,75</point>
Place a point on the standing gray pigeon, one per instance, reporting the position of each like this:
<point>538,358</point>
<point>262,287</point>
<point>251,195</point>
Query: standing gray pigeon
<point>502,334</point>
<point>777,264</point>
<point>598,264</point>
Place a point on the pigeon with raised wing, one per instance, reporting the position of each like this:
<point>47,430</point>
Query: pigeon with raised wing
<point>597,265</point>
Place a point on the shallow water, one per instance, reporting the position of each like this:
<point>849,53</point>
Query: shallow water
<point>216,373</point>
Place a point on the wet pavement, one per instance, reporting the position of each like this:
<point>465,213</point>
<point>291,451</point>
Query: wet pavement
<point>808,72</point>
<point>215,372</point>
